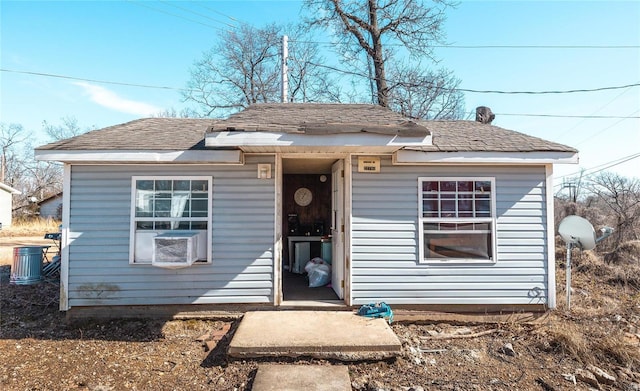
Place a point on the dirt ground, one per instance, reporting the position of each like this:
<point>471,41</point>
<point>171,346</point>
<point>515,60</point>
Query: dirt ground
<point>39,350</point>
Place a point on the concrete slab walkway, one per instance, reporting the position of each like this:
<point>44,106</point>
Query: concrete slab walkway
<point>302,377</point>
<point>323,334</point>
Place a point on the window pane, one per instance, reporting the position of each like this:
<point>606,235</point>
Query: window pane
<point>144,185</point>
<point>430,226</point>
<point>448,208</point>
<point>483,186</point>
<point>448,186</point>
<point>144,205</point>
<point>483,206</point>
<point>482,226</point>
<point>202,225</point>
<point>430,186</point>
<point>162,194</point>
<point>200,186</point>
<point>163,208</point>
<point>199,208</point>
<point>458,245</point>
<point>181,185</point>
<point>163,225</point>
<point>146,225</point>
<point>465,203</point>
<point>163,185</point>
<point>184,225</point>
<point>430,205</point>
<point>465,186</point>
<point>187,209</point>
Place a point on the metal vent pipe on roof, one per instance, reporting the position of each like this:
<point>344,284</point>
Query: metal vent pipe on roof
<point>484,115</point>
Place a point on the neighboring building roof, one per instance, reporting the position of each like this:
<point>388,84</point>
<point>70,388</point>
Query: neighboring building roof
<point>50,198</point>
<point>306,118</point>
<point>9,189</point>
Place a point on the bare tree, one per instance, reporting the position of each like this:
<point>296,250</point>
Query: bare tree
<point>173,113</point>
<point>375,26</point>
<point>69,128</point>
<point>621,197</point>
<point>309,80</point>
<point>239,71</point>
<point>36,180</point>
<point>416,93</point>
<point>12,136</point>
<point>244,68</point>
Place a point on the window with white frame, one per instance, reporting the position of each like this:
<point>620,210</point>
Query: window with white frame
<point>457,219</point>
<point>164,204</point>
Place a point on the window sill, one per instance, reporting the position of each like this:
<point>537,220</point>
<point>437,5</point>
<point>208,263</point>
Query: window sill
<point>450,261</point>
<point>148,263</point>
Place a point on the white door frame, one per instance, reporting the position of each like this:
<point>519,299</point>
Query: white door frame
<point>278,236</point>
<point>337,229</point>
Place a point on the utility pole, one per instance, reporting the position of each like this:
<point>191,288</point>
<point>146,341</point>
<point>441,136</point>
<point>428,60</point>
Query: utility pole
<point>285,81</point>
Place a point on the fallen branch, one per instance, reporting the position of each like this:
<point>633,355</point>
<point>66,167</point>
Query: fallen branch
<point>458,336</point>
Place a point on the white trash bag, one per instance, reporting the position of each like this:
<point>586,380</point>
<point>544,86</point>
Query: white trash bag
<point>319,272</point>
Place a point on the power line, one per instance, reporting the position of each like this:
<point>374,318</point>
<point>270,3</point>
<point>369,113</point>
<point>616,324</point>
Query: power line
<point>499,46</point>
<point>603,166</point>
<point>197,13</point>
<point>551,92</point>
<point>218,12</point>
<point>571,116</point>
<point>608,127</point>
<point>187,90</point>
<point>93,80</point>
<point>558,137</point>
<point>141,4</point>
<point>493,91</point>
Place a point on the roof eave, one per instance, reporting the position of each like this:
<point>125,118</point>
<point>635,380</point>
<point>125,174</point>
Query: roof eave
<point>142,156</point>
<point>9,189</point>
<point>413,157</point>
<point>279,141</point>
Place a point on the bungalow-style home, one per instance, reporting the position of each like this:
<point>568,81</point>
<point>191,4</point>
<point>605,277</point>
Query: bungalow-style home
<point>51,207</point>
<point>6,204</point>
<point>160,213</point>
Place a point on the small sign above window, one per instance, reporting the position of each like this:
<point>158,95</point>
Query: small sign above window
<point>368,164</point>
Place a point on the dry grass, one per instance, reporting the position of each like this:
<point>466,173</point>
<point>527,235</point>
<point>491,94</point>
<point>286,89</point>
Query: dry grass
<point>588,344</point>
<point>31,227</point>
<point>25,233</point>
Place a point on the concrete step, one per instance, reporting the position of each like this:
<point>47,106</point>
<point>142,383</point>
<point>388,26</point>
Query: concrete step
<point>272,377</point>
<point>321,334</point>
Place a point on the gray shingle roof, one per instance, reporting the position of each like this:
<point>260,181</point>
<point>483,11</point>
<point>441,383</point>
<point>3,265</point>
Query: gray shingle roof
<point>308,118</point>
<point>173,134</point>
<point>320,118</point>
<point>451,136</point>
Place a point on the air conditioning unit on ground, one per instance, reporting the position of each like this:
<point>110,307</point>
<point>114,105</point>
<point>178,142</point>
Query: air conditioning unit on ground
<point>175,249</point>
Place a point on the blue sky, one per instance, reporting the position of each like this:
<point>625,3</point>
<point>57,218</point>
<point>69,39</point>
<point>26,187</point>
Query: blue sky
<point>155,43</point>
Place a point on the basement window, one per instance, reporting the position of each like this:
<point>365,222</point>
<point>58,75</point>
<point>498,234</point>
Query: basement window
<point>457,219</point>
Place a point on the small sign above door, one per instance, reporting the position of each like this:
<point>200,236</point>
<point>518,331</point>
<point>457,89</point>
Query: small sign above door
<point>368,164</point>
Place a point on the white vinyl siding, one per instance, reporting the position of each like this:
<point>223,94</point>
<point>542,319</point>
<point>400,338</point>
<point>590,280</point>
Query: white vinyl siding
<point>385,250</point>
<point>242,238</point>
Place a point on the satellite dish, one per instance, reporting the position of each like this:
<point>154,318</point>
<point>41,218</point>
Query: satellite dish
<point>578,231</point>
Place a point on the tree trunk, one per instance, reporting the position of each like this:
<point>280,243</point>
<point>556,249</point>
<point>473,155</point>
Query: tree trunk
<point>377,56</point>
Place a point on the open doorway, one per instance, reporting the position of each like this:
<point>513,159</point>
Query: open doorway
<point>308,226</point>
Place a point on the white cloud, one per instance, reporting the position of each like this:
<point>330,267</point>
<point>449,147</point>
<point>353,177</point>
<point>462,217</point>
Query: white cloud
<point>111,100</point>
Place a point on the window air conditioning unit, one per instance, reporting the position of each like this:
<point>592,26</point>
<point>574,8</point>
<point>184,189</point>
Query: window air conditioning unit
<point>174,249</point>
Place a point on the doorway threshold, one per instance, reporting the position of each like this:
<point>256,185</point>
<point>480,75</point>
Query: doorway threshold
<point>313,304</point>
